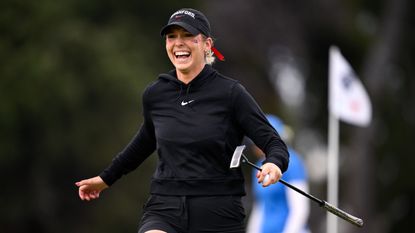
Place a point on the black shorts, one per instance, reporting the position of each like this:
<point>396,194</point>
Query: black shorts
<point>193,214</point>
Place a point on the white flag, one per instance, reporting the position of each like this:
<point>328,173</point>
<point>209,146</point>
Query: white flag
<point>348,99</point>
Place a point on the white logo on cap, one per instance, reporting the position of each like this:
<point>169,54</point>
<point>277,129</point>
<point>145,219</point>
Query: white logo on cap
<point>191,14</point>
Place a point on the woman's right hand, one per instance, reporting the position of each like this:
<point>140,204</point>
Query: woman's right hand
<point>90,189</point>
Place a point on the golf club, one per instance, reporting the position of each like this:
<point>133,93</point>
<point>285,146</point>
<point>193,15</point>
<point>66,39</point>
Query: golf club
<point>239,156</point>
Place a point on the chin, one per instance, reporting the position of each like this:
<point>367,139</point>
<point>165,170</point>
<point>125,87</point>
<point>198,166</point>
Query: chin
<point>182,67</point>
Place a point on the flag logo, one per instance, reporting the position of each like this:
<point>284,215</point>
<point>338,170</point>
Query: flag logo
<point>348,99</point>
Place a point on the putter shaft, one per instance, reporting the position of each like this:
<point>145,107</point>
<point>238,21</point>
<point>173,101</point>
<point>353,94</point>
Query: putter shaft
<point>332,209</point>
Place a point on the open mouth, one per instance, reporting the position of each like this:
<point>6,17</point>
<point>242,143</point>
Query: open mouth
<point>182,55</point>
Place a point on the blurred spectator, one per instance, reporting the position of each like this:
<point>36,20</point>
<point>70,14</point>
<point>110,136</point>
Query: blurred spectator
<point>278,209</point>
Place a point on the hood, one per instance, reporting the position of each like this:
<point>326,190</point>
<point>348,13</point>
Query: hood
<point>198,81</point>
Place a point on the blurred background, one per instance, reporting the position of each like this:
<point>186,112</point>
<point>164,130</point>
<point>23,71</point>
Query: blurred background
<point>72,73</point>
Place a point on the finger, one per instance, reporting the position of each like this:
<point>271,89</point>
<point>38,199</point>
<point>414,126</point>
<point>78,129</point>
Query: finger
<point>88,196</point>
<point>84,193</point>
<point>261,177</point>
<point>265,171</point>
<point>274,176</point>
<point>81,194</point>
<point>80,183</point>
<point>83,182</point>
<point>277,176</point>
<point>94,194</point>
<point>268,180</point>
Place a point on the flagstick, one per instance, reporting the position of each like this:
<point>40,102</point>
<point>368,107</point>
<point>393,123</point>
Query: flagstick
<point>333,170</point>
<point>348,101</point>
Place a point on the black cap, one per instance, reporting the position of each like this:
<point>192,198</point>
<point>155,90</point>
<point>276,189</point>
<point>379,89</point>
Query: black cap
<point>191,20</point>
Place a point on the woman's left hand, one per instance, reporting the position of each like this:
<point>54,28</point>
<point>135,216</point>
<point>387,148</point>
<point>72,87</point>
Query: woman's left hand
<point>272,170</point>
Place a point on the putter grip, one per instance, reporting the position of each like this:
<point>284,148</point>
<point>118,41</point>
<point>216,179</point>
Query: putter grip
<point>348,217</point>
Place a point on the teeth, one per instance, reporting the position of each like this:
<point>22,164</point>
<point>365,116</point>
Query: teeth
<point>182,53</point>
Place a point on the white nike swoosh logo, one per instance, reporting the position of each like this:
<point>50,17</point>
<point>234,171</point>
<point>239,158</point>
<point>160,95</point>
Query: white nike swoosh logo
<point>187,102</point>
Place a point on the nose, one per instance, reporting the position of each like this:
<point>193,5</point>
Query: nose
<point>179,40</point>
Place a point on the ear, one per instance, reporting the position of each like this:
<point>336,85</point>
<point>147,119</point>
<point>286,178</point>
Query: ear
<point>209,43</point>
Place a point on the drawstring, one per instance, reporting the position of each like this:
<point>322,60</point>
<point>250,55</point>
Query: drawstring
<point>188,90</point>
<point>180,93</point>
<point>185,96</point>
<point>185,216</point>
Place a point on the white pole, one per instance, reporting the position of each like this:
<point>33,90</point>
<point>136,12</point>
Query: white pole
<point>333,171</point>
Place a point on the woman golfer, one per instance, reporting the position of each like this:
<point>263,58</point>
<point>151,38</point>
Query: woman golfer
<point>194,117</point>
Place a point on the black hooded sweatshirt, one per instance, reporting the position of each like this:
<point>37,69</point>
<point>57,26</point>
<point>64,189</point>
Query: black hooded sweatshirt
<point>195,129</point>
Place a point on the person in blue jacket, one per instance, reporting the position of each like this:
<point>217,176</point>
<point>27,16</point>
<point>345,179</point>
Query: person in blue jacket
<point>193,117</point>
<point>278,209</point>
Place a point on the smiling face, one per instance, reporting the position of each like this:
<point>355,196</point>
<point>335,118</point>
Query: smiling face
<point>187,51</point>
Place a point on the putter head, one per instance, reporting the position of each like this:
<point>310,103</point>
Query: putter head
<point>236,157</point>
